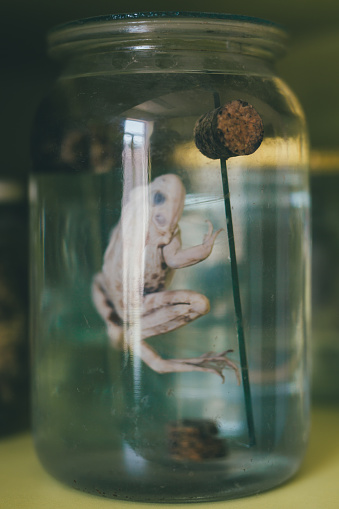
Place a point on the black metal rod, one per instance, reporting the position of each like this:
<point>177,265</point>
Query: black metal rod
<point>236,297</point>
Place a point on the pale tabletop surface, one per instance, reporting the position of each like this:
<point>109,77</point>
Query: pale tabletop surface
<point>25,485</point>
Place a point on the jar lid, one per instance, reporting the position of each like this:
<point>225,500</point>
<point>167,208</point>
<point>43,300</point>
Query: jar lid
<point>114,28</point>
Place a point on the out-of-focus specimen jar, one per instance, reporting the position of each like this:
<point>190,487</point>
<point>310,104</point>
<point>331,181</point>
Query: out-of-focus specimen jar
<point>148,382</point>
<point>325,276</point>
<point>14,348</point>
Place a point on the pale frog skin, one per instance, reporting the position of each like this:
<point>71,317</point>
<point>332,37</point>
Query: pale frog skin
<point>131,291</point>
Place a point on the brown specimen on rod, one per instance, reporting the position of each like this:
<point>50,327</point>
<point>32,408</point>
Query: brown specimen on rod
<point>234,129</point>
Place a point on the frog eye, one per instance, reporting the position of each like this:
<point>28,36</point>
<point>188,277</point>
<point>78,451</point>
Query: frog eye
<point>158,198</point>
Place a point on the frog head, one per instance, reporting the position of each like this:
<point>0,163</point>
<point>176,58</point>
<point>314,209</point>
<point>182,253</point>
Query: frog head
<point>167,198</point>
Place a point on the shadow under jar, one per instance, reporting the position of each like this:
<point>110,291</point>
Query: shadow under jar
<point>147,383</point>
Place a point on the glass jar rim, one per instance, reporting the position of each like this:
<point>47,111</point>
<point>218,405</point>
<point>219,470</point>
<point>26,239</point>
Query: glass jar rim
<point>202,25</point>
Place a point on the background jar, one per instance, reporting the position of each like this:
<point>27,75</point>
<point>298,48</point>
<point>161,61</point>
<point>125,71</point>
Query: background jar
<point>14,348</point>
<point>121,115</point>
<point>325,291</point>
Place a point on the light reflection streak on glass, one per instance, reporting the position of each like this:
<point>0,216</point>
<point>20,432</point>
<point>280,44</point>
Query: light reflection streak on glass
<point>134,227</point>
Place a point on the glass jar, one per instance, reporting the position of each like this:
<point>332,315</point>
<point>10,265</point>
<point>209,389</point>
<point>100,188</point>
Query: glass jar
<point>170,290</point>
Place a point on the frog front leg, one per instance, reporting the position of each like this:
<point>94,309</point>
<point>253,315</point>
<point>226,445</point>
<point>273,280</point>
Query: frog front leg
<point>167,311</point>
<point>177,258</point>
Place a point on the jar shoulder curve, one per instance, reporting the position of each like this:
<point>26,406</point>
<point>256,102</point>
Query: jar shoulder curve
<point>86,114</point>
<point>291,98</point>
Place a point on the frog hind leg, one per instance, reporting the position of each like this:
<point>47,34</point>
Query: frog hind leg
<point>106,310</point>
<point>167,311</point>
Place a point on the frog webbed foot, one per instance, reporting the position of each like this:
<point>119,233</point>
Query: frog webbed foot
<point>213,363</point>
<point>209,362</point>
